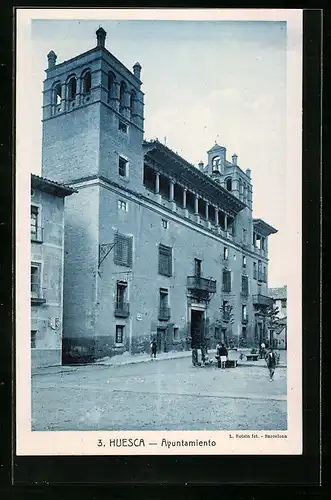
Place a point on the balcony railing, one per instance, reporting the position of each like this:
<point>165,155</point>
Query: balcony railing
<point>201,284</point>
<point>164,313</point>
<point>262,300</point>
<point>38,295</point>
<point>37,234</point>
<point>122,309</point>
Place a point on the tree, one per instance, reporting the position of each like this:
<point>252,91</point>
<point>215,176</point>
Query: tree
<point>269,315</point>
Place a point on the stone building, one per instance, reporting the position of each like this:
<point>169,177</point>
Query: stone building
<point>156,247</point>
<point>47,254</point>
<point>279,297</point>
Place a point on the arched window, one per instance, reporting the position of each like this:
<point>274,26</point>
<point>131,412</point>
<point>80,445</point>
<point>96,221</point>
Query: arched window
<point>57,94</point>
<point>87,82</point>
<point>111,79</point>
<point>122,94</point>
<point>228,184</point>
<point>132,102</point>
<point>72,88</point>
<point>216,161</point>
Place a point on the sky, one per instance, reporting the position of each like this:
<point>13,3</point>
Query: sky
<point>204,81</point>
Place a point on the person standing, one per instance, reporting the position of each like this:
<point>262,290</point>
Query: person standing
<point>153,349</point>
<point>223,353</point>
<point>271,363</point>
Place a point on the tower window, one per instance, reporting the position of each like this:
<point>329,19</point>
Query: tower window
<point>132,102</point>
<point>72,88</point>
<point>122,167</point>
<point>111,79</point>
<point>87,82</point>
<point>228,184</point>
<point>122,95</point>
<point>57,98</point>
<point>216,161</point>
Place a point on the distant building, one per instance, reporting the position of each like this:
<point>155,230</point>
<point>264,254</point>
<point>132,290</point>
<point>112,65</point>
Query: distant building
<point>279,296</point>
<point>155,247</point>
<point>47,255</point>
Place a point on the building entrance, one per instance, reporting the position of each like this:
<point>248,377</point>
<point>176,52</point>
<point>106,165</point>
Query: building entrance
<point>197,328</point>
<point>161,340</point>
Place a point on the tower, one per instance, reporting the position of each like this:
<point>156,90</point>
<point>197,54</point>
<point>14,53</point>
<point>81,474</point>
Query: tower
<point>93,120</point>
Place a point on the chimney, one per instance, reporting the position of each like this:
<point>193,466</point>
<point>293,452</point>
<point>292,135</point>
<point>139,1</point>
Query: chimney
<point>51,56</point>
<point>101,37</point>
<point>234,159</point>
<point>137,70</point>
<point>200,165</point>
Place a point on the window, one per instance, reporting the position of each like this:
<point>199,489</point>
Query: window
<point>176,333</point>
<point>226,281</point>
<point>119,336</point>
<point>265,274</point>
<point>35,230</point>
<point>283,303</point>
<point>263,243</point>
<point>244,285</point>
<point>254,270</point>
<point>35,280</point>
<point>57,97</point>
<point>121,288</point>
<point>122,167</point>
<point>244,312</point>
<point>226,253</point>
<point>72,88</point>
<point>163,298</point>
<point>111,79</point>
<point>244,261</point>
<point>132,102</point>
<point>122,95</point>
<point>33,338</point>
<point>259,271</point>
<point>244,235</point>
<point>244,332</point>
<point>123,250</point>
<point>122,127</point>
<point>165,223</point>
<point>228,184</point>
<point>87,82</point>
<point>197,268</point>
<point>122,205</point>
<point>165,260</point>
<point>216,163</point>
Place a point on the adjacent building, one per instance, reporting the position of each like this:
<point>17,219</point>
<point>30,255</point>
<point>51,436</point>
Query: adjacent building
<point>155,246</point>
<point>279,297</point>
<point>47,256</point>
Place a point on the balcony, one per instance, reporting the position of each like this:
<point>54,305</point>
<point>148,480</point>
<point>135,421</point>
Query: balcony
<point>122,310</point>
<point>37,234</point>
<point>38,295</point>
<point>164,313</point>
<point>262,300</point>
<point>197,283</point>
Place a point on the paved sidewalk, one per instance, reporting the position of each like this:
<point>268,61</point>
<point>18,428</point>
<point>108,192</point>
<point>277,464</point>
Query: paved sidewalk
<point>129,359</point>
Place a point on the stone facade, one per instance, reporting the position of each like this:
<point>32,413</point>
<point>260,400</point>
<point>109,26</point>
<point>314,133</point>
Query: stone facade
<point>279,296</point>
<point>47,254</point>
<point>155,247</point>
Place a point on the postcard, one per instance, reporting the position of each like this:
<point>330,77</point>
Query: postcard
<point>158,218</point>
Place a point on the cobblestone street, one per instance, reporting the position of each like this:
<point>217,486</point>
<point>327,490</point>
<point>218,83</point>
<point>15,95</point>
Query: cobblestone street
<point>162,395</point>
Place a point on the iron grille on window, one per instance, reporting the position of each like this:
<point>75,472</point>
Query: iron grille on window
<point>123,250</point>
<point>226,281</point>
<point>165,260</point>
<point>119,336</point>
<point>244,285</point>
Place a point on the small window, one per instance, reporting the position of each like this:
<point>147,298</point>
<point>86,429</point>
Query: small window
<point>165,260</point>
<point>35,230</point>
<point>176,333</point>
<point>197,268</point>
<point>122,167</point>
<point>244,261</point>
<point>226,281</point>
<point>244,312</point>
<point>226,253</point>
<point>87,82</point>
<point>35,281</point>
<point>244,285</point>
<point>228,184</point>
<point>164,223</point>
<point>111,79</point>
<point>244,235</point>
<point>216,161</point>
<point>254,270</point>
<point>119,336</point>
<point>122,205</point>
<point>33,338</point>
<point>123,250</point>
<point>72,88</point>
<point>122,127</point>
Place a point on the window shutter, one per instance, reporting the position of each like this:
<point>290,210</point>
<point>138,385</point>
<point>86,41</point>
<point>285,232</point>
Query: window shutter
<point>129,242</point>
<point>123,250</point>
<point>165,260</point>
